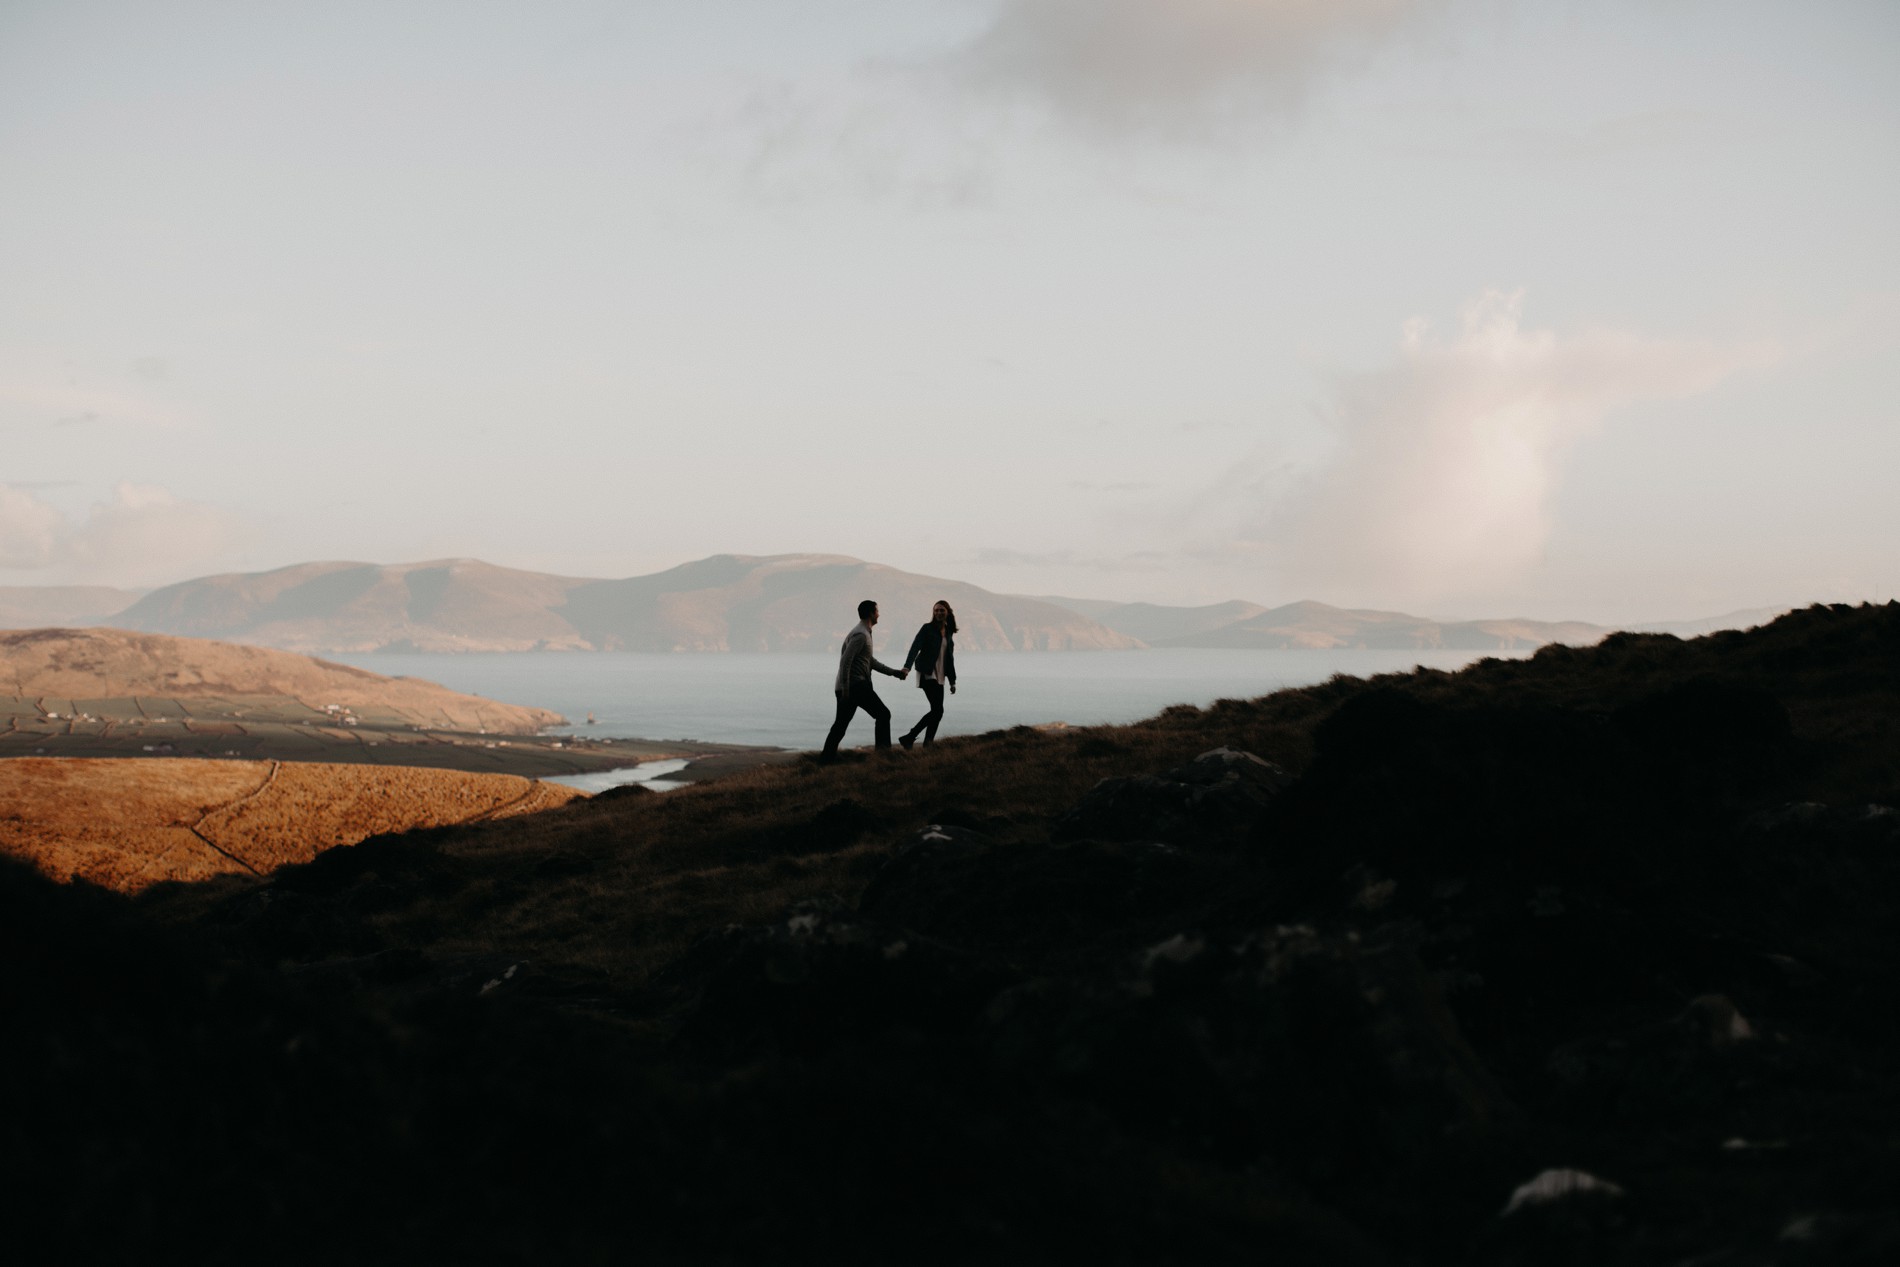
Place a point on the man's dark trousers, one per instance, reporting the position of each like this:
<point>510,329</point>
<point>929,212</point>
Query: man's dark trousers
<point>849,702</point>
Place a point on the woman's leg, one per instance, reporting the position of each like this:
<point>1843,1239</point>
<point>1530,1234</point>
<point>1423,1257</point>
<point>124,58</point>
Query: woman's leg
<point>933,691</point>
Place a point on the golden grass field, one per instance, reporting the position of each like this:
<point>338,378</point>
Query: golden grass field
<point>129,824</point>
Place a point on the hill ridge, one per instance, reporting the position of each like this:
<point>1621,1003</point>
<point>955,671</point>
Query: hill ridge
<point>724,602</point>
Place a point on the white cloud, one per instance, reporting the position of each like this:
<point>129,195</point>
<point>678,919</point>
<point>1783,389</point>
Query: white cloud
<point>936,130</point>
<point>30,530</point>
<point>1172,65</point>
<point>1447,460</point>
<point>141,535</point>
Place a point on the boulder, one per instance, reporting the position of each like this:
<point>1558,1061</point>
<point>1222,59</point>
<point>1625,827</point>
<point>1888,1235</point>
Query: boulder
<point>1652,1070</point>
<point>1558,1218</point>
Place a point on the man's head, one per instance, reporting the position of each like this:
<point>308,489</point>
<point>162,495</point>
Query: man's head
<point>867,612</point>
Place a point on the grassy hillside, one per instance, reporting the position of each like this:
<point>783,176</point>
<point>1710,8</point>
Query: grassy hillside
<point>1625,910</point>
<point>130,824</point>
<point>110,693</point>
<point>70,667</point>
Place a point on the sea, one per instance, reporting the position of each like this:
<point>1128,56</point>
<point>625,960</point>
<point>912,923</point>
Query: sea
<point>785,701</point>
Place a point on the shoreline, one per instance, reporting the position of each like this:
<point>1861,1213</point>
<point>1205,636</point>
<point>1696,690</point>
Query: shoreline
<point>534,756</point>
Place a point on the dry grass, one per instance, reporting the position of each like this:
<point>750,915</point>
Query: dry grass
<point>651,873</point>
<point>641,877</point>
<point>129,824</point>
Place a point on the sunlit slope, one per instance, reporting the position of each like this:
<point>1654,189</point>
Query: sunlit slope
<point>128,824</point>
<point>101,672</point>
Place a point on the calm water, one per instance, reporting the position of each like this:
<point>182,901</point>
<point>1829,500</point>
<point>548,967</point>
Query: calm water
<point>785,700</point>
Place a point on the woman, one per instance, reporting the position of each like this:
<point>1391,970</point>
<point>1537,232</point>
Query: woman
<point>934,652</point>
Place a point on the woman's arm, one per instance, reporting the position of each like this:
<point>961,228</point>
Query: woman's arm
<point>916,645</point>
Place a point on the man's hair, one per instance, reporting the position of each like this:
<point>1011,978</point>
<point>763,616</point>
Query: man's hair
<point>866,607</point>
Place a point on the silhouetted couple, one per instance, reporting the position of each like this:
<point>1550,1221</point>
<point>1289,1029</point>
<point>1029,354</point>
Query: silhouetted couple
<point>933,651</point>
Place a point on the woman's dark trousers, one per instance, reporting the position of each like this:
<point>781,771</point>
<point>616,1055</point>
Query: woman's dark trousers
<point>933,691</point>
<point>849,702</point>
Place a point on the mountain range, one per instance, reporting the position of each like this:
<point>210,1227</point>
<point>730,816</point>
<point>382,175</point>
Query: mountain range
<point>1310,626</point>
<point>1317,626</point>
<point>786,602</point>
<point>791,602</point>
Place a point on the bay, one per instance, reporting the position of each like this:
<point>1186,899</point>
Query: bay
<point>785,700</point>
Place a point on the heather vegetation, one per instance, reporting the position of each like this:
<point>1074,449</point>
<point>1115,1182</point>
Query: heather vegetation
<point>1601,938</point>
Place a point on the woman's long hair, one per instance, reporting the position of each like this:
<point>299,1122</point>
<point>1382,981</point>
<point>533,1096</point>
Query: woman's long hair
<point>949,615</point>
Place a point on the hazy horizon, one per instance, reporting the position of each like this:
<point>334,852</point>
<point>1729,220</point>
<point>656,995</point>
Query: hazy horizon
<point>846,617</point>
<point>1468,308</point>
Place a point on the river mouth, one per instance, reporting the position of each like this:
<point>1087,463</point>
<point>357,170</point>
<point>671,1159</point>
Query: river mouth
<point>648,774</point>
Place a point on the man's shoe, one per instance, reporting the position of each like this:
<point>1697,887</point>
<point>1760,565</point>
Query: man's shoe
<point>907,741</point>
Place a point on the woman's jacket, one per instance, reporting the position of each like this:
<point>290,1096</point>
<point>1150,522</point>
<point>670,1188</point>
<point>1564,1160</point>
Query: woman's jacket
<point>923,653</point>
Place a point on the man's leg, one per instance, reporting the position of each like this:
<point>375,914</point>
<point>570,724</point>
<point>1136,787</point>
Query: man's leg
<point>933,691</point>
<point>866,698</point>
<point>846,707</point>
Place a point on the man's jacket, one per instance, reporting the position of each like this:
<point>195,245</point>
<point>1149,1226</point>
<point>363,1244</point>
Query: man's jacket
<point>855,660</point>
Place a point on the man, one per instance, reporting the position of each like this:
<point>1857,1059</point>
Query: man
<point>853,685</point>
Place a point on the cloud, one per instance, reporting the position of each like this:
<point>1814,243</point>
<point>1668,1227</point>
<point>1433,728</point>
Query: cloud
<point>937,129</point>
<point>141,534</point>
<point>1447,460</point>
<point>30,530</point>
<point>1120,66</point>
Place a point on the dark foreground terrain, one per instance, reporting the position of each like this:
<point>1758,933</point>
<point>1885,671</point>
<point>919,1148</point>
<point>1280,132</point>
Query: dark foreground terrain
<point>1588,958</point>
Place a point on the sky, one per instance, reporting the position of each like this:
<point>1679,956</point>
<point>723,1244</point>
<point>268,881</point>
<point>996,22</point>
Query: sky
<point>1557,308</point>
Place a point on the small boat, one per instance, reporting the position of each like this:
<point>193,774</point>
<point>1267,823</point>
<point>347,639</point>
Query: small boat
<point>590,719</point>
